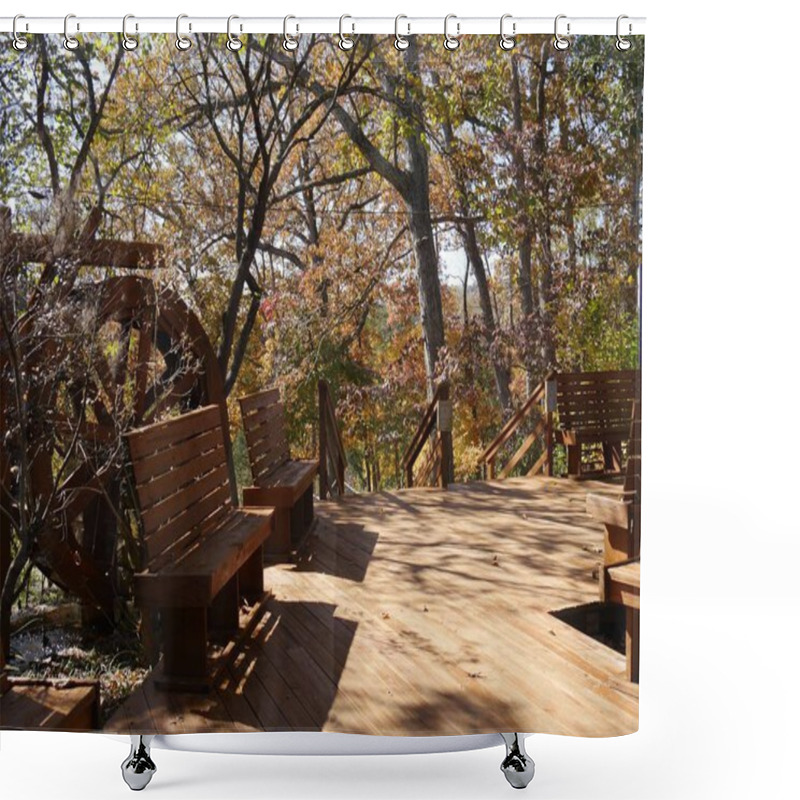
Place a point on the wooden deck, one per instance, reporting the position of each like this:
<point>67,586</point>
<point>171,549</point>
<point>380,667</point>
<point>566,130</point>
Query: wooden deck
<point>423,612</point>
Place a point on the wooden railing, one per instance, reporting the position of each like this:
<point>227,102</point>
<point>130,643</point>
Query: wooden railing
<point>539,402</point>
<point>332,459</point>
<point>435,431</point>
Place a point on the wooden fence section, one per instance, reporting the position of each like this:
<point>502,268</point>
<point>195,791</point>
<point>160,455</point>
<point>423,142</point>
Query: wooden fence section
<point>435,431</point>
<point>542,429</point>
<point>332,457</point>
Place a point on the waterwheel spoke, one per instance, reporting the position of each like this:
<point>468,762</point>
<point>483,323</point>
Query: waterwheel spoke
<point>142,369</point>
<point>78,490</point>
<point>119,368</point>
<point>84,392</point>
<point>66,428</point>
<point>175,393</point>
<point>108,383</point>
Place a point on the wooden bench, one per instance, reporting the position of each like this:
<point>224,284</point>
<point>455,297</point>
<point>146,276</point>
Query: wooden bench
<point>279,481</point>
<point>621,517</point>
<point>50,704</point>
<point>594,407</point>
<point>203,554</point>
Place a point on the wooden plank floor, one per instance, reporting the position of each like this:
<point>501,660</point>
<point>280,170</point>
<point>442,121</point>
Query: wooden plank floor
<point>423,612</point>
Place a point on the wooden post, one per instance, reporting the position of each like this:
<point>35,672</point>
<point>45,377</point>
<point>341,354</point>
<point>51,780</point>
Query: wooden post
<point>550,406</point>
<point>444,423</point>
<point>632,644</point>
<point>340,474</point>
<point>324,488</point>
<point>409,475</point>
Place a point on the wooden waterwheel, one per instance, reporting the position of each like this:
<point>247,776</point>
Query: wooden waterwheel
<point>146,357</point>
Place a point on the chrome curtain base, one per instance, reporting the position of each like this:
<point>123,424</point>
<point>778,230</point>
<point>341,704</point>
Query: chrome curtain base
<point>138,768</point>
<point>517,766</point>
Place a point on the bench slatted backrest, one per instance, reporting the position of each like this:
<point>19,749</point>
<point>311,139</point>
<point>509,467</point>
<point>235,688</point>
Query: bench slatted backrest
<point>597,402</point>
<point>182,482</point>
<point>265,431</point>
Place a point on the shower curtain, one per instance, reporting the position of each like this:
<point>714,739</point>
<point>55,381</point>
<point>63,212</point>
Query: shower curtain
<point>418,267</point>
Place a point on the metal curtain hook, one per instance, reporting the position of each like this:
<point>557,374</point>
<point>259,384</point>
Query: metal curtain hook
<point>451,42</point>
<point>345,42</point>
<point>19,42</point>
<point>289,40</point>
<point>181,42</point>
<point>129,42</point>
<point>559,42</point>
<point>622,43</point>
<point>400,41</point>
<point>507,42</point>
<point>70,42</point>
<point>234,43</point>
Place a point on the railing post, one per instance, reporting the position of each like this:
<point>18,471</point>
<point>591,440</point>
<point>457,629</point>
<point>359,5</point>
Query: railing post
<point>550,405</point>
<point>444,423</point>
<point>324,489</point>
<point>340,475</point>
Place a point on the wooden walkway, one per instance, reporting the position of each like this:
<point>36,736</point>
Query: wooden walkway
<point>423,612</point>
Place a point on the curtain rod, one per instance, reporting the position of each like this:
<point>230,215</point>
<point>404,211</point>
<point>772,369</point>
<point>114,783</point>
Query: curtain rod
<point>351,25</point>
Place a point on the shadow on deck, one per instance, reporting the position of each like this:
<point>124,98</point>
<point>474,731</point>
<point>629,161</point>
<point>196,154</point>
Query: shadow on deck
<point>422,612</point>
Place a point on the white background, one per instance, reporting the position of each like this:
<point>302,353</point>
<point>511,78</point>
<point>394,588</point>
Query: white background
<point>719,689</point>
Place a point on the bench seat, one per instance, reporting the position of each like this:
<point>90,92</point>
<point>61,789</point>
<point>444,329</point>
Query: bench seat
<point>622,582</point>
<point>285,486</point>
<point>214,558</point>
<point>279,481</point>
<point>591,436</point>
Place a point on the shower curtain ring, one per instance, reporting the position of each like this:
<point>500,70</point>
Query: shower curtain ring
<point>623,44</point>
<point>559,42</point>
<point>129,42</point>
<point>19,42</point>
<point>181,41</point>
<point>451,42</point>
<point>289,40</point>
<point>345,42</point>
<point>400,41</point>
<point>507,42</point>
<point>234,43</point>
<point>70,42</point>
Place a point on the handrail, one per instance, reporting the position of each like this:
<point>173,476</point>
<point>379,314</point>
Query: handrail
<point>332,458</point>
<point>435,468</point>
<point>508,430</point>
<point>543,428</point>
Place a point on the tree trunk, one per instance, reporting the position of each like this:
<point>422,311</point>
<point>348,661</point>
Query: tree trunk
<point>502,375</point>
<point>544,233</point>
<point>427,261</point>
<point>525,224</point>
<point>469,239</point>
